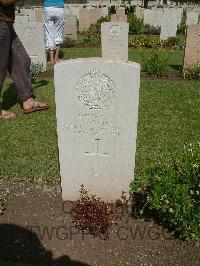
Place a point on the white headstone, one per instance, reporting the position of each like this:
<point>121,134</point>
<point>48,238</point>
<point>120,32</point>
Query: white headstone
<point>170,20</point>
<point>70,29</point>
<point>97,114</point>
<point>104,11</point>
<point>153,17</point>
<point>31,35</point>
<point>114,40</point>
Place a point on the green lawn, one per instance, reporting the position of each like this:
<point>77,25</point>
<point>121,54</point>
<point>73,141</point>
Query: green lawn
<point>174,58</point>
<point>168,118</point>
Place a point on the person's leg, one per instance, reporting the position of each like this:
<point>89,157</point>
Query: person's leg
<point>57,53</point>
<point>19,69</point>
<point>51,56</point>
<point>5,40</point>
<point>59,28</point>
<point>49,32</point>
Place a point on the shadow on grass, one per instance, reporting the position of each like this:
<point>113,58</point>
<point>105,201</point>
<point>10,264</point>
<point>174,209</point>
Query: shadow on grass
<point>176,67</point>
<point>21,245</point>
<point>39,83</point>
<point>10,96</point>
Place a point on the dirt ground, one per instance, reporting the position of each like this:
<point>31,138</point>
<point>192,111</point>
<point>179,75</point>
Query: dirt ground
<point>37,228</point>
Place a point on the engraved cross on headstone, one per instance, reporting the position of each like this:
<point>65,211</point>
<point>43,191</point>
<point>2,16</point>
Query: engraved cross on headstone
<point>97,154</point>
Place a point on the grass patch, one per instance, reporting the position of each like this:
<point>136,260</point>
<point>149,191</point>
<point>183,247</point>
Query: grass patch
<point>168,118</point>
<point>174,62</point>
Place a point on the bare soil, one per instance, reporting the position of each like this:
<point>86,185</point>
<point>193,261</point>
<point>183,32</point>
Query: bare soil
<point>37,228</point>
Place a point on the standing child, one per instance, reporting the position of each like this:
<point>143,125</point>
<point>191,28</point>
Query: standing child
<point>54,26</point>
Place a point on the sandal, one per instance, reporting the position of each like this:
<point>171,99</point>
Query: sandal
<point>36,106</point>
<point>7,115</point>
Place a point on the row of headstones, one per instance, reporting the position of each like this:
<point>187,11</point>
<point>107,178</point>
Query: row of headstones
<point>85,16</point>
<point>167,19</point>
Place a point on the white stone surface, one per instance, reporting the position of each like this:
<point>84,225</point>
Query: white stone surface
<point>170,20</point>
<point>192,18</point>
<point>114,40</point>
<point>104,11</point>
<point>153,17</point>
<point>31,35</point>
<point>97,114</point>
<point>70,29</point>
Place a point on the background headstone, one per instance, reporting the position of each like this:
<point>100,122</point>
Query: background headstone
<point>70,29</point>
<point>120,18</point>
<point>31,35</point>
<point>114,40</point>
<point>192,18</point>
<point>39,15</point>
<point>192,49</point>
<point>153,17</point>
<point>170,20</point>
<point>97,113</point>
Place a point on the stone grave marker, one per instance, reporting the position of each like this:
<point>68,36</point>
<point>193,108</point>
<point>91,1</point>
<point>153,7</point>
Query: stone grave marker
<point>95,14</point>
<point>153,17</point>
<point>170,20</point>
<point>84,20</point>
<point>192,18</point>
<point>39,15</point>
<point>88,17</point>
<point>104,11</point>
<point>139,12</point>
<point>70,29</point>
<point>97,114</point>
<point>120,12</point>
<point>114,40</point>
<point>192,49</point>
<point>32,36</point>
<point>120,18</point>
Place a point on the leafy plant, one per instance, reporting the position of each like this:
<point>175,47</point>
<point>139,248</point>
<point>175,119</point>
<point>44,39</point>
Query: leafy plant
<point>135,25</point>
<point>154,64</point>
<point>92,214</point>
<point>192,73</point>
<point>91,39</point>
<point>173,190</point>
<point>36,69</point>
<point>151,30</point>
<point>67,43</point>
<point>173,42</point>
<point>97,26</point>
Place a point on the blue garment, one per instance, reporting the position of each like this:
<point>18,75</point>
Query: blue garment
<point>54,3</point>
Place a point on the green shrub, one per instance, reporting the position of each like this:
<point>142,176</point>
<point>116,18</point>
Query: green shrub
<point>91,39</point>
<point>36,69</point>
<point>173,42</point>
<point>182,29</point>
<point>144,42</point>
<point>172,190</point>
<point>67,43</point>
<point>135,25</point>
<point>154,64</point>
<point>151,30</point>
<point>97,27</point>
<point>111,10</point>
<point>192,73</point>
